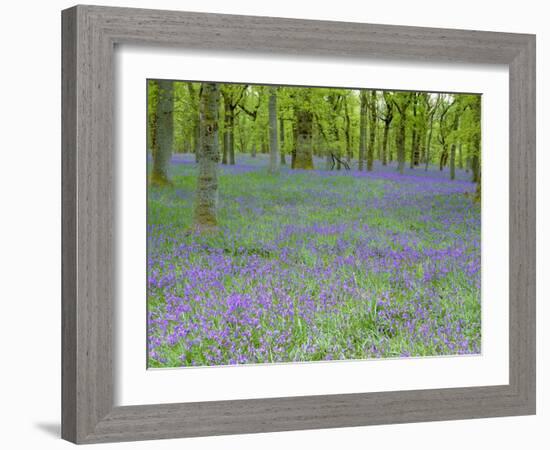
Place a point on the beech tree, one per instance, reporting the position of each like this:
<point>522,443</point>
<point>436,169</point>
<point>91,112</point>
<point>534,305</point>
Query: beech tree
<point>194,101</point>
<point>163,132</point>
<point>303,140</point>
<point>362,128</point>
<point>401,100</point>
<point>431,108</point>
<point>387,118</point>
<point>445,127</point>
<point>207,181</point>
<point>250,104</point>
<point>273,142</point>
<point>232,95</point>
<point>372,106</point>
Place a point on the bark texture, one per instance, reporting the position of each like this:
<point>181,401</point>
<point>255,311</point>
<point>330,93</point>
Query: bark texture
<point>304,140</point>
<point>452,162</point>
<point>164,133</point>
<point>273,142</point>
<point>400,141</point>
<point>362,129</point>
<point>388,117</point>
<point>401,102</point>
<point>196,120</point>
<point>207,183</point>
<point>372,131</point>
<point>282,138</point>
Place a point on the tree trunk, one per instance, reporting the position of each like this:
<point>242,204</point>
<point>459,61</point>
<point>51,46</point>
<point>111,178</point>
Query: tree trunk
<point>415,149</point>
<point>452,161</point>
<point>429,143</point>
<point>226,138</point>
<point>282,137</point>
<point>231,149</point>
<point>475,168</point>
<point>413,142</point>
<point>372,131</point>
<point>385,143</point>
<point>153,117</point>
<point>207,183</point>
<point>337,149</point>
<point>400,141</point>
<point>273,144</point>
<point>304,134</point>
<point>349,150</point>
<point>422,144</point>
<point>197,140</point>
<point>196,120</point>
<point>444,156</point>
<point>164,139</point>
<point>362,129</point>
<point>243,141</point>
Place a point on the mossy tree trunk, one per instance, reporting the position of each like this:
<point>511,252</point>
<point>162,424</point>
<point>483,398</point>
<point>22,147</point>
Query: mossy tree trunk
<point>432,108</point>
<point>228,154</point>
<point>444,133</point>
<point>303,158</point>
<point>273,141</point>
<point>196,122</point>
<point>282,137</point>
<point>444,157</point>
<point>385,143</point>
<point>452,162</point>
<point>401,101</point>
<point>206,202</point>
<point>415,140</point>
<point>475,168</point>
<point>452,155</point>
<point>337,151</point>
<point>232,96</point>
<point>372,130</point>
<point>347,131</point>
<point>333,139</point>
<point>400,143</point>
<point>362,129</point>
<point>225,149</point>
<point>152,92</point>
<point>231,137</point>
<point>164,133</point>
<point>387,118</point>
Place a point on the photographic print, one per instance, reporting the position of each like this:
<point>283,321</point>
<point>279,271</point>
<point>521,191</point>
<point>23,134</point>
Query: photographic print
<point>298,224</point>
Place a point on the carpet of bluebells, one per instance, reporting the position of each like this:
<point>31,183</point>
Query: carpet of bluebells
<point>313,265</point>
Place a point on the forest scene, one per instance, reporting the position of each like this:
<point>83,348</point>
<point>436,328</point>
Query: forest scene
<point>300,224</point>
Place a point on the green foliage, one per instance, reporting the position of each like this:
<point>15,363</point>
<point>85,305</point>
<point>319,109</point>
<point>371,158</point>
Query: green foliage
<point>433,122</point>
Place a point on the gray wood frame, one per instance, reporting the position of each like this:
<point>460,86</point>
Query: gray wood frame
<point>89,36</point>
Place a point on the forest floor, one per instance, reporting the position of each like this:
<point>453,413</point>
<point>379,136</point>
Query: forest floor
<point>314,265</point>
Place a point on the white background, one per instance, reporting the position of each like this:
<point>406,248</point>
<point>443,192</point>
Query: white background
<point>30,226</point>
<point>135,385</point>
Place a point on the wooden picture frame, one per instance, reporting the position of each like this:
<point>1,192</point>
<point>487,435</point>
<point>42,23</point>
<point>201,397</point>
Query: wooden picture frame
<point>89,35</point>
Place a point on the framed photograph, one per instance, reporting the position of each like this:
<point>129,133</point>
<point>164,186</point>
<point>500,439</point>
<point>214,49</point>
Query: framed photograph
<point>278,224</point>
